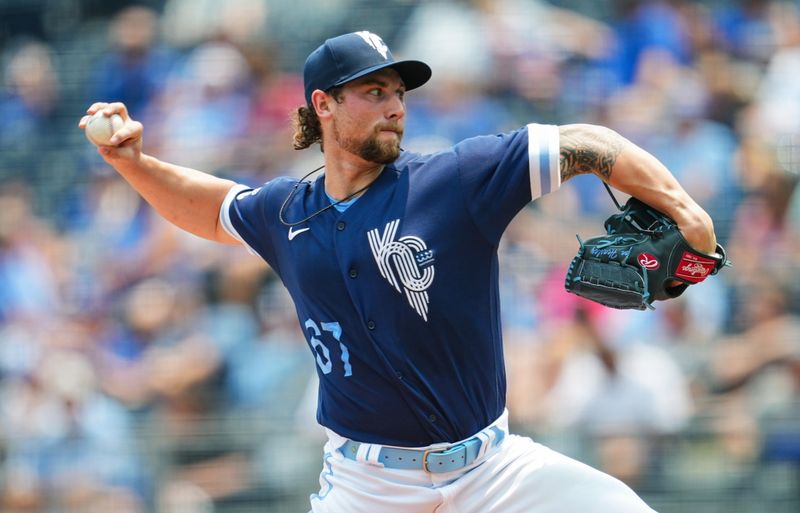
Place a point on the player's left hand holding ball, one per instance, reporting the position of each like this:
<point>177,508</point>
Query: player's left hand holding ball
<point>109,127</point>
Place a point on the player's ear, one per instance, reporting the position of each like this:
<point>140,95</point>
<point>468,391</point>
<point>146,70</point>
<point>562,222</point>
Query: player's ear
<point>321,103</point>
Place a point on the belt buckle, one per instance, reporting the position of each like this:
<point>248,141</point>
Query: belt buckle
<point>425,454</point>
<point>437,450</point>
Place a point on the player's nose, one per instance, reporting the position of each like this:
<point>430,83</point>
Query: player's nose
<point>396,108</point>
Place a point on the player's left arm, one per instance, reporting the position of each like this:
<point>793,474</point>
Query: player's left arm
<point>625,166</point>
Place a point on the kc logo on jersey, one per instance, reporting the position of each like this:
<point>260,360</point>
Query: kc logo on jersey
<point>406,263</point>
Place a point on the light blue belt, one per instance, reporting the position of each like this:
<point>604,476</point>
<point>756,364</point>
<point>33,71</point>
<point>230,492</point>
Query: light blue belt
<point>436,460</point>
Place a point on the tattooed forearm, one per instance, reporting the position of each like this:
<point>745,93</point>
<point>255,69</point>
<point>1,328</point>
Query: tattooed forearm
<point>588,149</point>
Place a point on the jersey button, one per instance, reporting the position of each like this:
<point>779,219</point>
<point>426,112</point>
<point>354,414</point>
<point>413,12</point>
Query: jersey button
<point>353,273</point>
<point>432,417</point>
<point>371,325</point>
<point>340,225</point>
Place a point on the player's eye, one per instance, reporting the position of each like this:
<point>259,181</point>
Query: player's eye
<point>375,91</point>
<point>401,94</point>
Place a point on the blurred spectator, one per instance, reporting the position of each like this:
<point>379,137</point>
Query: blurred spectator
<point>264,150</point>
<point>759,236</point>
<point>266,371</point>
<point>698,151</point>
<point>29,103</point>
<point>134,69</point>
<point>555,74</point>
<point>189,23</point>
<point>29,279</point>
<point>730,86</point>
<point>777,100</point>
<point>747,29</point>
<point>157,360</point>
<point>463,70</point>
<point>67,445</point>
<point>162,363</point>
<point>115,241</point>
<point>627,394</point>
<point>296,28</point>
<point>754,373</point>
<point>203,109</point>
<point>458,49</point>
<point>644,26</point>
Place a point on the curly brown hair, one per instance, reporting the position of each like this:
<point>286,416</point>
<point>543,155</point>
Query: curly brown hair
<point>307,129</point>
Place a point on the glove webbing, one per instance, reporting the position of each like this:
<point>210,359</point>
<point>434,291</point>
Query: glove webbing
<point>617,241</point>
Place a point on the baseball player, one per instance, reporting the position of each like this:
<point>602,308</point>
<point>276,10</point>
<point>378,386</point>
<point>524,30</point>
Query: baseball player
<point>391,260</point>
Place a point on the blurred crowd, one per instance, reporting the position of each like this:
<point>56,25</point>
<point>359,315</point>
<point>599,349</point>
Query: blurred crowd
<point>139,363</point>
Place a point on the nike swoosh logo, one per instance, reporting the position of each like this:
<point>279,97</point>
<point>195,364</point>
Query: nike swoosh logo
<point>294,233</point>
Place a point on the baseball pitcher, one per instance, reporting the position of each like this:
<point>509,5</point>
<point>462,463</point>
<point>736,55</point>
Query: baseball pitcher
<point>391,260</point>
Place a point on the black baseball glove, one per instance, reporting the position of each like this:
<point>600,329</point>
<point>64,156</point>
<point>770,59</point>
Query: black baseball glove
<point>643,258</point>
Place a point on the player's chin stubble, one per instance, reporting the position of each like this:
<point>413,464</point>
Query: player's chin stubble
<point>371,149</point>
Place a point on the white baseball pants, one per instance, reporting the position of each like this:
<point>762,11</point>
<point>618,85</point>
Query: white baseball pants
<point>518,476</point>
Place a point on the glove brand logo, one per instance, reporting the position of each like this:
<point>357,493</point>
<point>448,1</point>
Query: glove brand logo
<point>406,263</point>
<point>648,261</point>
<point>694,268</point>
<point>612,252</point>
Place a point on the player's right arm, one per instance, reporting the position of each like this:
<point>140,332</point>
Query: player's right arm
<point>188,198</point>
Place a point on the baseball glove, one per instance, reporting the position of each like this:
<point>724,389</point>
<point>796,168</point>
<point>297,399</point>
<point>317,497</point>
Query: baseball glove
<point>642,258</point>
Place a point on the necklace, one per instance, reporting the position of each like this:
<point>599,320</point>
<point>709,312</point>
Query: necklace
<point>323,209</point>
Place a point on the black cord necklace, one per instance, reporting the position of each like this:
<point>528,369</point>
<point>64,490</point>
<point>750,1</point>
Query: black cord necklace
<point>318,212</point>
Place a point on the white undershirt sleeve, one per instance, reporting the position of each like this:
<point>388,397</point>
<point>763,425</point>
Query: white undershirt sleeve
<point>225,215</point>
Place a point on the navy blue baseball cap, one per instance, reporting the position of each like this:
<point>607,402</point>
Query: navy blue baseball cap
<point>350,56</point>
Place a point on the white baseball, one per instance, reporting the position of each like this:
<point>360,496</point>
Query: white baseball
<point>100,128</point>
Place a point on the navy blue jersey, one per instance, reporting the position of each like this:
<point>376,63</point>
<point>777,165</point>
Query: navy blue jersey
<point>398,295</point>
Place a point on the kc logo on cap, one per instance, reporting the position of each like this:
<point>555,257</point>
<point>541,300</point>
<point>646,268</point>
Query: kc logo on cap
<point>350,56</point>
<point>375,42</point>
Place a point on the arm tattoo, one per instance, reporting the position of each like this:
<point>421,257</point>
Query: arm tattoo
<point>588,150</point>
